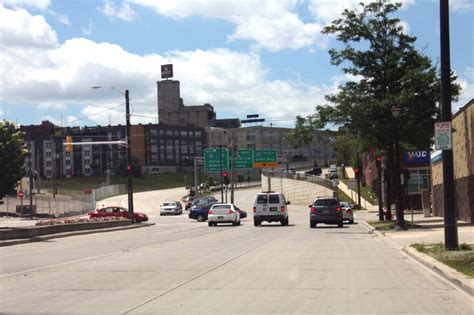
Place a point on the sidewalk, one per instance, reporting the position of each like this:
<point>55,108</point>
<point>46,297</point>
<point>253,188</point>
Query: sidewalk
<point>431,231</point>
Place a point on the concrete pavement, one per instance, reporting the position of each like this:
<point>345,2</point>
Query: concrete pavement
<point>181,266</point>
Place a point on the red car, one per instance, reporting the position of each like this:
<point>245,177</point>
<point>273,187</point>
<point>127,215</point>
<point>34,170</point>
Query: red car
<point>115,211</point>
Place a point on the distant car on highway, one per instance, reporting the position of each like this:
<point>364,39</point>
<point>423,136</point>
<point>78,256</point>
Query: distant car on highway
<point>223,213</point>
<point>347,212</point>
<point>316,171</point>
<point>171,207</point>
<point>200,211</point>
<point>116,211</point>
<point>325,210</point>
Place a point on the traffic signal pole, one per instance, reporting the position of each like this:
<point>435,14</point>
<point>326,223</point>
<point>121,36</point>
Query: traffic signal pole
<point>129,159</point>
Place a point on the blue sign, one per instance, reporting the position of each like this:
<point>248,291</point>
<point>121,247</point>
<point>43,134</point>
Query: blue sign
<point>416,157</point>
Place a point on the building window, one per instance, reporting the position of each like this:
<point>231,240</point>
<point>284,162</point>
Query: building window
<point>87,161</point>
<point>48,173</point>
<point>48,163</point>
<point>197,134</point>
<point>154,158</point>
<point>169,132</point>
<point>87,153</point>
<point>68,162</point>
<point>154,149</point>
<point>67,154</point>
<point>153,140</point>
<point>251,136</point>
<point>153,131</point>
<point>87,171</point>
<point>184,133</point>
<point>162,132</point>
<point>48,155</point>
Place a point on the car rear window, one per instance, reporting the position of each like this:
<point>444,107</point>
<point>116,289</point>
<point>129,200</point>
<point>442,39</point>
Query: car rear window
<point>219,207</point>
<point>273,199</point>
<point>262,199</point>
<point>168,204</point>
<point>325,202</point>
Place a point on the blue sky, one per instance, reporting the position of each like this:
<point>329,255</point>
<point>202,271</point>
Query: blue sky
<point>243,57</point>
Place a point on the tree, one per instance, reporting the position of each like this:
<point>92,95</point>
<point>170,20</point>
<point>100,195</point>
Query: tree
<point>388,71</point>
<point>12,156</point>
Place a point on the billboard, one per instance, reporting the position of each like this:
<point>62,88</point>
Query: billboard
<point>166,71</point>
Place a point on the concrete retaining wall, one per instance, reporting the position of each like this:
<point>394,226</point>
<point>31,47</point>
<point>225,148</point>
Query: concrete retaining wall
<point>296,191</point>
<point>29,232</point>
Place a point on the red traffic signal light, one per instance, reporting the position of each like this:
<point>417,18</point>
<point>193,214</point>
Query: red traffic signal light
<point>225,174</point>
<point>378,158</point>
<point>129,168</point>
<point>356,170</point>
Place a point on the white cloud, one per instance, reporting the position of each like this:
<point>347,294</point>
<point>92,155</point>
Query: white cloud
<point>123,12</point>
<point>272,25</point>
<point>461,5</point>
<point>62,18</point>
<point>20,29</point>
<point>467,93</point>
<point>87,30</point>
<point>38,4</point>
<point>325,11</point>
<point>469,73</point>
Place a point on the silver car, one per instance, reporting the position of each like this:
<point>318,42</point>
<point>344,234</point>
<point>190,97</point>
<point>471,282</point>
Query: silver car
<point>347,212</point>
<point>171,207</point>
<point>223,213</point>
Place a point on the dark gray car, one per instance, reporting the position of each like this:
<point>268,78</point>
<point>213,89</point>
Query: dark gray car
<point>325,210</point>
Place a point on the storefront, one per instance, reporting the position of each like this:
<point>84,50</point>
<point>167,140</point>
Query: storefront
<point>416,179</point>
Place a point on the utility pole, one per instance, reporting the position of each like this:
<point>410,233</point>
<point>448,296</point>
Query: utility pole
<point>129,159</point>
<point>30,173</point>
<point>450,223</point>
<point>220,157</point>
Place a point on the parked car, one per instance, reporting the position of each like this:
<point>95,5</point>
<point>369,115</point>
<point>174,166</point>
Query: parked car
<point>243,214</point>
<point>347,213</point>
<point>200,211</point>
<point>325,210</point>
<point>223,213</point>
<point>316,171</point>
<point>270,207</point>
<point>333,175</point>
<point>188,203</point>
<point>171,207</point>
<point>116,211</point>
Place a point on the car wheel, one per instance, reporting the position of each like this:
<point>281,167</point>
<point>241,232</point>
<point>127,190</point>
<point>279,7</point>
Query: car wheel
<point>209,223</point>
<point>256,222</point>
<point>285,222</point>
<point>238,223</point>
<point>312,224</point>
<point>340,225</point>
<point>200,218</point>
<point>351,221</point>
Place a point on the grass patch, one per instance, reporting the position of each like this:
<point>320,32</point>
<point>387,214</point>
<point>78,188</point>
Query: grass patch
<point>76,185</point>
<point>343,197</point>
<point>390,225</point>
<point>462,260</point>
<point>365,192</point>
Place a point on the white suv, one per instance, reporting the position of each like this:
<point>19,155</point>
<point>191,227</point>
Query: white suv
<point>270,207</point>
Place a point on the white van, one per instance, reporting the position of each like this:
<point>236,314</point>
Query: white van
<point>270,207</point>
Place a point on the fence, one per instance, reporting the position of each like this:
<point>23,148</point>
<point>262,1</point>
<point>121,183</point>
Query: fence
<point>60,205</point>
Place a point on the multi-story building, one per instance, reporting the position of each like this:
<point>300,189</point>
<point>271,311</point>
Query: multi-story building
<point>463,159</point>
<point>172,111</point>
<point>261,137</point>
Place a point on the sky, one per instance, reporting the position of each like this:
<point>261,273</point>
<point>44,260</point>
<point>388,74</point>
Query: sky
<point>265,57</point>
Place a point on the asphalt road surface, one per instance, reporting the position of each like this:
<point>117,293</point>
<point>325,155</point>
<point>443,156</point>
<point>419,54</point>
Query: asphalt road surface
<point>183,266</point>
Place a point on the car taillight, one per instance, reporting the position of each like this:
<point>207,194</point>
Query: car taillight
<point>282,209</point>
<point>254,209</point>
<point>313,209</point>
<point>231,211</point>
<point>338,209</point>
<point>210,212</point>
<point>349,211</point>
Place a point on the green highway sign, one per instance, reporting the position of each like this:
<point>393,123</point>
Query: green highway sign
<point>243,159</point>
<point>216,159</point>
<point>265,156</point>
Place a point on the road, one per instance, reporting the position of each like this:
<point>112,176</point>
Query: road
<point>181,266</point>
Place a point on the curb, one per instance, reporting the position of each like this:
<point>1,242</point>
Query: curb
<point>455,278</point>
<point>74,233</point>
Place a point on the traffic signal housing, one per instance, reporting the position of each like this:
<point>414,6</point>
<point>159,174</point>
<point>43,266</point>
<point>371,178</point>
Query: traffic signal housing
<point>356,172</point>
<point>378,162</point>
<point>226,178</point>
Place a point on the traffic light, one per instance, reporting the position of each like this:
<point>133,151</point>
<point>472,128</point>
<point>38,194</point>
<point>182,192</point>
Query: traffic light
<point>129,168</point>
<point>356,172</point>
<point>378,162</point>
<point>69,144</point>
<point>226,178</point>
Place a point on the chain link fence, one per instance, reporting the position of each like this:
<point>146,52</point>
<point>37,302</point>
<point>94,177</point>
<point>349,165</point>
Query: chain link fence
<point>59,205</point>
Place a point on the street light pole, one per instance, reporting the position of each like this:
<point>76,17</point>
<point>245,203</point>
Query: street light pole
<point>400,224</point>
<point>129,159</point>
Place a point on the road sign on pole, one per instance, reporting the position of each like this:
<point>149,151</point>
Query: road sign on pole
<point>216,159</point>
<point>21,194</point>
<point>244,159</point>
<point>443,136</point>
<point>265,158</point>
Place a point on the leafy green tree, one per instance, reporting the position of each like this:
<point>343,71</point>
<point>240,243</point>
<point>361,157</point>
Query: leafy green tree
<point>12,156</point>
